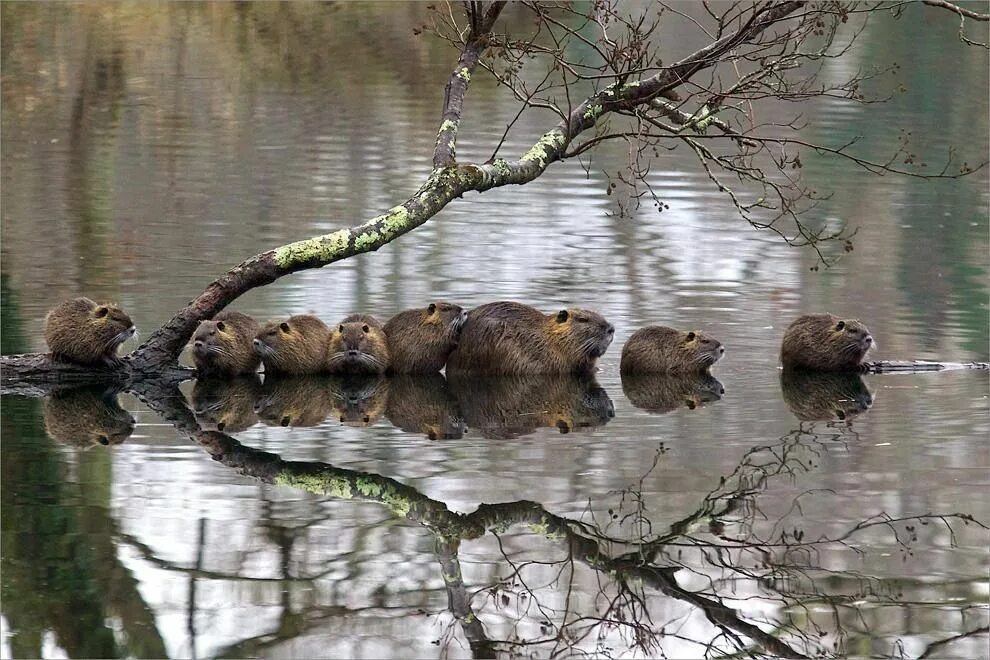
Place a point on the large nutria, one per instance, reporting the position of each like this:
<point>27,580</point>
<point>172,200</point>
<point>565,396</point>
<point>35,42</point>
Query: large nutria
<point>295,400</point>
<point>357,346</point>
<point>419,340</point>
<point>226,405</point>
<point>359,400</point>
<point>514,339</point>
<point>815,395</point>
<point>85,332</point>
<point>659,349</point>
<point>823,342</point>
<point>662,393</point>
<point>503,407</point>
<point>86,416</point>
<point>224,346</point>
<point>295,346</point>
<point>424,404</point>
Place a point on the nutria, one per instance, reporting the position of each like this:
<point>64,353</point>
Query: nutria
<point>824,342</point>
<point>224,346</point>
<point>295,346</point>
<point>659,349</point>
<point>419,340</point>
<point>294,400</point>
<point>357,346</point>
<point>825,396</point>
<point>86,416</point>
<point>85,332</point>
<point>505,407</point>
<point>514,339</point>
<point>424,404</point>
<point>360,399</point>
<point>226,405</point>
<point>662,393</point>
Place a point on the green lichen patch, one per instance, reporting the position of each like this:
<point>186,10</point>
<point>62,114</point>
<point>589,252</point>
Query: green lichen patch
<point>502,167</point>
<point>593,112</point>
<point>549,141</point>
<point>448,125</point>
<point>464,74</point>
<point>366,240</point>
<point>317,249</point>
<point>396,220</point>
<point>321,484</point>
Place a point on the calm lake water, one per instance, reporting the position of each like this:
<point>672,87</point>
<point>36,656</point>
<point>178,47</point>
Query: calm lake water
<point>149,147</point>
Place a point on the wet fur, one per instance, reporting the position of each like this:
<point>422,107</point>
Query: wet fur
<point>223,346</point>
<point>299,348</point>
<point>420,340</point>
<point>84,332</point>
<point>361,333</point>
<point>659,349</point>
<point>817,342</point>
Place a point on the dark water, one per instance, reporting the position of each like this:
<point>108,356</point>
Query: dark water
<point>146,148</point>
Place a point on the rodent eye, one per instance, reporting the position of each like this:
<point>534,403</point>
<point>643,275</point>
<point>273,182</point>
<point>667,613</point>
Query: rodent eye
<point>101,312</point>
<point>340,328</point>
<point>432,308</point>
<point>840,325</point>
<point>220,326</point>
<point>562,316</point>
<point>690,336</point>
<point>284,326</point>
<point>104,440</point>
<point>365,328</point>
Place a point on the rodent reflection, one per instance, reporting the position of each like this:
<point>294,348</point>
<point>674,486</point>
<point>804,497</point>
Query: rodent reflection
<point>359,400</point>
<point>86,416</point>
<point>820,395</point>
<point>295,400</point>
<point>662,393</point>
<point>424,404</point>
<point>226,405</point>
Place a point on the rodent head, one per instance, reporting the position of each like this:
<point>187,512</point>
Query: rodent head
<point>700,348</point>
<point>112,324</point>
<point>586,333</point>
<point>212,337</point>
<point>295,345</point>
<point>850,338</point>
<point>356,346</point>
<point>446,314</point>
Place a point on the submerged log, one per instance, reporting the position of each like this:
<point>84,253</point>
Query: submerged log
<point>918,366</point>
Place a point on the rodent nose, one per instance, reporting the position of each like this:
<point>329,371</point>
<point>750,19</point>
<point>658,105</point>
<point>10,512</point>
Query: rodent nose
<point>257,343</point>
<point>721,350</point>
<point>199,344</point>
<point>351,352</point>
<point>611,328</point>
<point>868,339</point>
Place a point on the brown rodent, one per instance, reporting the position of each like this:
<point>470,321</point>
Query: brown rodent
<point>423,403</point>
<point>825,396</point>
<point>504,407</point>
<point>85,332</point>
<point>86,416</point>
<point>510,338</point>
<point>419,340</point>
<point>357,346</point>
<point>659,349</point>
<point>226,405</point>
<point>295,346</point>
<point>662,393</point>
<point>359,400</point>
<point>224,346</point>
<point>823,342</point>
<point>294,400</point>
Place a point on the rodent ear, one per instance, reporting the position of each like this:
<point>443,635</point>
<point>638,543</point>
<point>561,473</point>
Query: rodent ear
<point>432,308</point>
<point>562,316</point>
<point>840,325</point>
<point>690,336</point>
<point>562,426</point>
<point>220,326</point>
<point>283,326</point>
<point>102,311</point>
<point>340,328</point>
<point>365,328</point>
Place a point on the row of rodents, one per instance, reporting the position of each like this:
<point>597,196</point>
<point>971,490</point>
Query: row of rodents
<point>430,405</point>
<point>505,338</point>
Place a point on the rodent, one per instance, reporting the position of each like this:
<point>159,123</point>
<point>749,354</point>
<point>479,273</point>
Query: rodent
<point>419,340</point>
<point>294,400</point>
<point>510,338</point>
<point>424,404</point>
<point>226,405</point>
<point>86,416</point>
<point>823,342</point>
<point>359,400</point>
<point>224,346</point>
<point>825,396</point>
<point>662,393</point>
<point>503,407</point>
<point>295,346</point>
<point>85,332</point>
<point>357,346</point>
<point>659,349</point>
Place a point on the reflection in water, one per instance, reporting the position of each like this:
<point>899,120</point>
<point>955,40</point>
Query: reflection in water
<point>359,400</point>
<point>824,396</point>
<point>295,400</point>
<point>512,406</point>
<point>662,393</point>
<point>226,404</point>
<point>86,416</point>
<point>425,405</point>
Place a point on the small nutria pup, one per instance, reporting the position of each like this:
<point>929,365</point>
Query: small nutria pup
<point>825,343</point>
<point>226,405</point>
<point>358,346</point>
<point>294,401</point>
<point>824,396</point>
<point>510,338</point>
<point>225,345</point>
<point>419,340</point>
<point>86,416</point>
<point>661,393</point>
<point>295,346</point>
<point>659,349</point>
<point>85,332</point>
